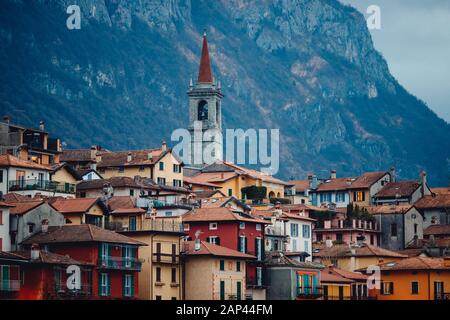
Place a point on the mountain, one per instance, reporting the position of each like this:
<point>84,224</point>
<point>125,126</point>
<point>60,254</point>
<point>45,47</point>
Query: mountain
<point>307,67</point>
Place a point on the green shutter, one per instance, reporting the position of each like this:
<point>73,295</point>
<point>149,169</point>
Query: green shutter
<point>222,290</point>
<point>132,285</point>
<point>238,290</point>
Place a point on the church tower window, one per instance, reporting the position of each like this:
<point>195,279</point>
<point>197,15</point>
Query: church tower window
<point>202,110</point>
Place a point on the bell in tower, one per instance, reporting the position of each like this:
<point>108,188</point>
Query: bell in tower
<point>205,116</point>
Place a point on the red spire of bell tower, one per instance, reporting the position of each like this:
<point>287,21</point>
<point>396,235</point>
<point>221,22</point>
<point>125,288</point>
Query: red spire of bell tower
<point>205,73</point>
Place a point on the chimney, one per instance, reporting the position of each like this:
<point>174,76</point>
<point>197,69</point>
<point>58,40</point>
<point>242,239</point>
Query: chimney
<point>392,172</point>
<point>423,182</point>
<point>333,174</point>
<point>35,252</point>
<point>42,125</point>
<point>313,182</point>
<point>163,146</point>
<point>129,157</point>
<point>93,153</point>
<point>44,226</point>
<point>6,119</point>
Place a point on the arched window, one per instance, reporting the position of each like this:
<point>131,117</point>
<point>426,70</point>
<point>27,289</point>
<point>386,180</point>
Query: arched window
<point>271,194</point>
<point>202,110</point>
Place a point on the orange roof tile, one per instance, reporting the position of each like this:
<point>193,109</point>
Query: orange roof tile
<point>78,205</point>
<point>438,229</point>
<point>402,189</point>
<point>335,184</point>
<point>389,209</point>
<point>416,263</point>
<point>207,248</point>
<point>300,185</point>
<point>7,160</point>
<point>23,207</point>
<point>445,190</point>
<point>439,201</point>
<point>328,275</point>
<point>218,214</point>
<point>366,180</point>
<point>146,157</point>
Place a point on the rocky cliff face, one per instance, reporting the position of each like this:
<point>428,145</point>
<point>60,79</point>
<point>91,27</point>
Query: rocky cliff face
<point>307,67</point>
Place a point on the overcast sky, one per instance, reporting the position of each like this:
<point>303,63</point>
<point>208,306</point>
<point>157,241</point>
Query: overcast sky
<point>415,40</point>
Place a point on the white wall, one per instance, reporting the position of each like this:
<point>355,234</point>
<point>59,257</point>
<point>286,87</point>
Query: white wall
<point>302,244</point>
<point>4,229</point>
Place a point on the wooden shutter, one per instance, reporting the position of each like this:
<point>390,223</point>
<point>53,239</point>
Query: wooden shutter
<point>245,240</point>
<point>218,241</point>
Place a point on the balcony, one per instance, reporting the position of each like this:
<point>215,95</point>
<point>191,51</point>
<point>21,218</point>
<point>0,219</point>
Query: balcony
<point>117,263</point>
<point>41,185</point>
<point>309,293</point>
<point>166,258</point>
<point>442,296</point>
<point>275,231</point>
<point>62,292</point>
<point>163,225</point>
<point>255,282</point>
<point>9,285</point>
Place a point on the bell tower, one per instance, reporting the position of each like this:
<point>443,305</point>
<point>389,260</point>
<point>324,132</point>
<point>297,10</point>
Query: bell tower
<point>205,114</point>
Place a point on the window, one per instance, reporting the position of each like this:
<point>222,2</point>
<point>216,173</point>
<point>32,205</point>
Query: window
<point>1,217</point>
<point>306,231</point>
<point>241,225</point>
<point>168,213</point>
<point>174,275</point>
<point>387,288</point>
<point>393,230</point>
<point>162,181</point>
<point>213,226</point>
<point>202,113</point>
<point>31,228</point>
<point>141,168</point>
<point>176,168</point>
<point>340,197</point>
<point>214,240</point>
<point>372,239</point>
<point>131,192</point>
<point>243,244</point>
<point>186,227</point>
<point>238,266</point>
<point>258,227</point>
<point>415,228</point>
<point>222,290</point>
<point>238,290</point>
<point>105,285</point>
<point>339,238</point>
<point>158,298</point>
<point>1,176</point>
<point>82,194</point>
<point>325,197</point>
<point>306,246</point>
<point>258,248</point>
<point>222,265</point>
<point>132,224</point>
<point>294,245</point>
<point>259,276</point>
<point>128,285</point>
<point>161,166</point>
<point>414,287</point>
<point>294,230</point>
<point>121,169</point>
<point>176,183</point>
<point>359,196</point>
<point>230,192</point>
<point>158,274</point>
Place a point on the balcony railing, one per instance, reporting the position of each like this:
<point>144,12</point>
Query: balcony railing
<point>255,282</point>
<point>166,258</point>
<point>275,231</point>
<point>309,292</point>
<point>165,225</point>
<point>62,291</point>
<point>9,285</point>
<point>442,296</point>
<point>41,185</point>
<point>118,263</point>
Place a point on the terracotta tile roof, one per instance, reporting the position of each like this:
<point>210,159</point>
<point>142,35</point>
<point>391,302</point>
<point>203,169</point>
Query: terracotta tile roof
<point>335,184</point>
<point>123,205</point>
<point>356,276</point>
<point>213,250</point>
<point>301,207</point>
<point>438,229</point>
<point>296,216</point>
<point>51,258</point>
<point>364,251</point>
<point>402,188</point>
<point>366,180</point>
<point>7,160</point>
<point>76,155</point>
<point>79,233</point>
<point>300,185</point>
<point>207,194</point>
<point>15,197</point>
<point>115,182</point>
<point>388,209</point>
<point>147,157</point>
<point>219,202</point>
<point>11,256</point>
<point>328,275</point>
<point>5,204</point>
<point>213,177</point>
<point>255,174</point>
<point>440,201</point>
<point>413,252</point>
<point>191,180</point>
<point>218,214</point>
<point>78,205</point>
<point>445,190</point>
<point>23,207</point>
<point>416,263</point>
<point>278,259</point>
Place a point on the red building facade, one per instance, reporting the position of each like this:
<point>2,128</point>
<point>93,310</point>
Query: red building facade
<point>114,259</point>
<point>234,230</point>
